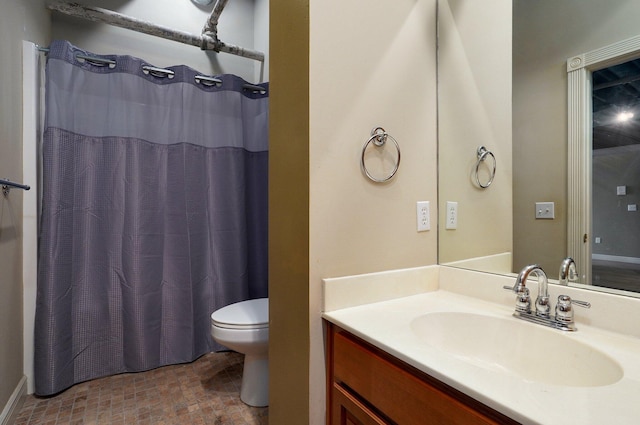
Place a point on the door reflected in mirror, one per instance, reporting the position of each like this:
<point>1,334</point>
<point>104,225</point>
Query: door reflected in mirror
<point>603,165</point>
<point>616,176</point>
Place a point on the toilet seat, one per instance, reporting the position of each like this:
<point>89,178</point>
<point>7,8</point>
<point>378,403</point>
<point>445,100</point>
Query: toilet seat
<point>250,314</point>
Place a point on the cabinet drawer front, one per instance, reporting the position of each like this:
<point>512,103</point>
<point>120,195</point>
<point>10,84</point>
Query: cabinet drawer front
<point>348,410</point>
<point>398,394</point>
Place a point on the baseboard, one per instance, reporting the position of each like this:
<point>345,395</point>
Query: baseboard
<point>617,258</point>
<point>11,409</point>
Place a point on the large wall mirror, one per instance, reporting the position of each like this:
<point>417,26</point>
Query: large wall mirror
<point>521,111</point>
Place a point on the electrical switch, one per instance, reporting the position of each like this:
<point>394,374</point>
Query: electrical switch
<point>545,210</point>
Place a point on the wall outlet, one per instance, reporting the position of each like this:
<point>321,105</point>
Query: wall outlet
<point>598,239</point>
<point>452,215</point>
<point>545,210</point>
<point>632,207</point>
<point>422,213</point>
<point>621,190</point>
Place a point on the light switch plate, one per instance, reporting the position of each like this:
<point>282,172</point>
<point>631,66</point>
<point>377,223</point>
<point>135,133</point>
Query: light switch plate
<point>632,207</point>
<point>621,190</point>
<point>545,210</point>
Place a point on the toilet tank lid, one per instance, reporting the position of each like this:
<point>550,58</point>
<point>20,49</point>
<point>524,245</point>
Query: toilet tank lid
<point>246,313</point>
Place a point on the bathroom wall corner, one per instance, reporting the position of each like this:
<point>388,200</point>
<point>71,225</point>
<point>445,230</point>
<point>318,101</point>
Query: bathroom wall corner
<point>13,406</point>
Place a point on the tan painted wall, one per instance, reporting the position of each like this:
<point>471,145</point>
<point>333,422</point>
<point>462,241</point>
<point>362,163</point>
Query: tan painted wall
<point>564,29</point>
<point>18,20</point>
<point>289,213</point>
<point>474,106</point>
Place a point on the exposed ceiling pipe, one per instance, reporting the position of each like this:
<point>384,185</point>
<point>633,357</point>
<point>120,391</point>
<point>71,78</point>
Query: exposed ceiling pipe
<point>210,30</point>
<point>208,40</point>
<point>211,26</point>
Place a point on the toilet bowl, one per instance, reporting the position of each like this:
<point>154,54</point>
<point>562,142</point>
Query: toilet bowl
<point>244,327</point>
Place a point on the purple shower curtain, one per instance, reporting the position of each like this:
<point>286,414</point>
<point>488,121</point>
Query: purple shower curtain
<point>154,214</point>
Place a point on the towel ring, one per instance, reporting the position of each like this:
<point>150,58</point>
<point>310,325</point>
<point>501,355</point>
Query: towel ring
<point>379,137</point>
<point>482,155</point>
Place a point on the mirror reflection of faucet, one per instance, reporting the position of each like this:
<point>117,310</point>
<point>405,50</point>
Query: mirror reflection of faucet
<point>567,272</point>
<point>563,319</point>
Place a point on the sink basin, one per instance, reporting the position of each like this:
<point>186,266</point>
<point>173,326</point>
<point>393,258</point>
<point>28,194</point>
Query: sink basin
<point>508,345</point>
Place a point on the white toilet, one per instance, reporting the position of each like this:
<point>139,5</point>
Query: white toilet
<point>244,327</point>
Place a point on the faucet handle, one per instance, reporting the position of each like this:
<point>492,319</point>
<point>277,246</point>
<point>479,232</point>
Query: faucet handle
<point>516,289</point>
<point>564,310</point>
<point>523,299</point>
<point>584,304</point>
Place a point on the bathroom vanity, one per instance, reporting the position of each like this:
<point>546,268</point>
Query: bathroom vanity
<point>368,386</point>
<point>440,345</point>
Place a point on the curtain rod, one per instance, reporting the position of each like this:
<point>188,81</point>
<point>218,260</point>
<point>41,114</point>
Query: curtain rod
<point>201,79</point>
<point>208,40</point>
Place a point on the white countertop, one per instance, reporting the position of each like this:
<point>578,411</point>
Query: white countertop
<point>387,325</point>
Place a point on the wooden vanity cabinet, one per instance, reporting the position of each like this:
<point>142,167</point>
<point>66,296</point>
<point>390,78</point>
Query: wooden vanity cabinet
<point>366,386</point>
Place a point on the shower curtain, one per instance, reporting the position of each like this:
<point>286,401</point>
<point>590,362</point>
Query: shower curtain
<point>154,214</point>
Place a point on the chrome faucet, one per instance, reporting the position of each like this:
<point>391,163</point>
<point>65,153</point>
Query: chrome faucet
<point>567,271</point>
<point>563,318</point>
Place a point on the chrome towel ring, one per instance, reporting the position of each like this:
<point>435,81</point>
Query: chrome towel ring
<point>379,137</point>
<point>483,153</point>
